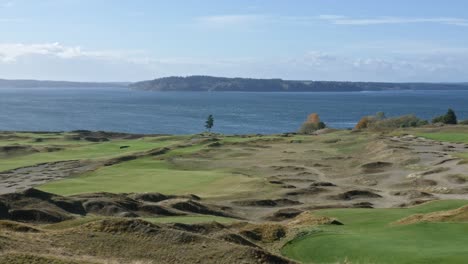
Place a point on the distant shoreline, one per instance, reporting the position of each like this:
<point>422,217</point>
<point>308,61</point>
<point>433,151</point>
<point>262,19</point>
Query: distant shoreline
<point>223,84</point>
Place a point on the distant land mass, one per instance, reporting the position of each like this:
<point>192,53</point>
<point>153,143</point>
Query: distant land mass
<point>57,84</point>
<point>222,84</point>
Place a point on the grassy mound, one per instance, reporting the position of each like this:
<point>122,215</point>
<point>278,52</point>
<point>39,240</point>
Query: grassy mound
<point>456,215</point>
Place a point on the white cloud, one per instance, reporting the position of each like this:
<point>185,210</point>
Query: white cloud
<point>10,52</point>
<point>221,21</point>
<point>57,61</point>
<point>342,20</point>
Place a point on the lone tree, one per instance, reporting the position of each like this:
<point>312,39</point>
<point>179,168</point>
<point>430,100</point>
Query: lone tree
<point>209,123</point>
<point>449,118</point>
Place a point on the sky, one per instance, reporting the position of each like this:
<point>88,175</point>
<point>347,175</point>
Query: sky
<point>336,40</point>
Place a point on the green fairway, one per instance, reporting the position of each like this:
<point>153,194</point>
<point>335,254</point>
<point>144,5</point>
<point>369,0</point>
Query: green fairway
<point>368,236</point>
<point>150,175</point>
<point>83,151</point>
<point>455,137</point>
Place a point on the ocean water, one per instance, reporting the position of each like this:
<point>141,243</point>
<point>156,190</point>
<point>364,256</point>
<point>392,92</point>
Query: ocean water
<point>132,111</point>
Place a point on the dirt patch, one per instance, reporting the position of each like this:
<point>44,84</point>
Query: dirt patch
<point>30,176</point>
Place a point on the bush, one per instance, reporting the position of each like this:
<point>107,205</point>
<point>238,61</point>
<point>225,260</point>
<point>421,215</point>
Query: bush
<point>379,121</point>
<point>450,118</point>
<point>464,122</point>
<point>363,123</point>
<point>309,128</point>
<point>398,122</point>
<point>312,124</point>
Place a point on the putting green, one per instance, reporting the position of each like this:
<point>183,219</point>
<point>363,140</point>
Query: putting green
<point>368,236</point>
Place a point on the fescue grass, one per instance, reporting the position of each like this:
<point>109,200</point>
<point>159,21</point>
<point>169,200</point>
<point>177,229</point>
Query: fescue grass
<point>193,219</point>
<point>368,236</point>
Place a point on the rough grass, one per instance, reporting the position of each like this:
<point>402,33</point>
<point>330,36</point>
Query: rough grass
<point>193,219</point>
<point>368,236</point>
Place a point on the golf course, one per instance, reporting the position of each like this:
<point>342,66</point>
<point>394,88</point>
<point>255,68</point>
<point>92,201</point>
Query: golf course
<point>336,196</point>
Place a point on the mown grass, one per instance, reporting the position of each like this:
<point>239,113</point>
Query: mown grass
<point>105,150</point>
<point>368,236</point>
<point>150,175</point>
<point>446,136</point>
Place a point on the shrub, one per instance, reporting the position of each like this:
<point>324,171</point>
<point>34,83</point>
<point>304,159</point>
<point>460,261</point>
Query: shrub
<point>398,122</point>
<point>450,118</point>
<point>363,123</point>
<point>309,128</point>
<point>312,124</point>
<point>381,122</point>
<point>464,122</point>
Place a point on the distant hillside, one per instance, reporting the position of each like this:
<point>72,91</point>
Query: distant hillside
<point>208,83</point>
<point>56,84</point>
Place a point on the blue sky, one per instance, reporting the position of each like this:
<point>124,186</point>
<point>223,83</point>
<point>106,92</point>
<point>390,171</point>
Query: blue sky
<point>117,40</point>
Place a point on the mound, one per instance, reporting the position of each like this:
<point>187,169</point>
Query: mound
<point>236,239</point>
<point>204,228</point>
<point>374,167</point>
<point>38,215</point>
<point>456,215</point>
<point>14,151</point>
<point>122,226</point>
<point>417,175</point>
<point>267,202</point>
<point>412,194</point>
<point>265,233</point>
<point>17,227</point>
<point>308,219</point>
<point>150,197</point>
<point>457,178</point>
<point>284,214</point>
<point>307,191</point>
<point>322,184</point>
<point>21,258</point>
<point>356,194</point>
<point>198,208</point>
<point>363,205</point>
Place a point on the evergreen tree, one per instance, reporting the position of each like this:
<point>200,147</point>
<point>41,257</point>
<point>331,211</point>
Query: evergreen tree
<point>209,123</point>
<point>450,118</point>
